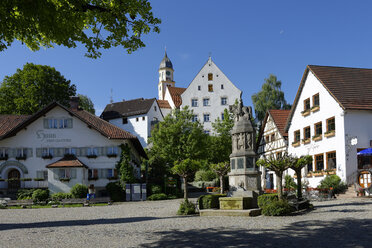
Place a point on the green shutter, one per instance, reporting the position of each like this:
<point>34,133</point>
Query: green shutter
<point>46,126</point>
<point>38,152</point>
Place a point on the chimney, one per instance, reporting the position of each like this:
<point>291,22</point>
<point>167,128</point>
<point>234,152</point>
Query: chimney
<point>74,102</point>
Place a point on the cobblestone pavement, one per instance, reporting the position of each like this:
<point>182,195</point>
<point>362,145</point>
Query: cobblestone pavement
<point>335,223</point>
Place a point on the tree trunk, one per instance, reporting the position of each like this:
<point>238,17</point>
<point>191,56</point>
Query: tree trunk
<point>185,188</point>
<point>279,179</point>
<point>221,184</point>
<point>299,184</point>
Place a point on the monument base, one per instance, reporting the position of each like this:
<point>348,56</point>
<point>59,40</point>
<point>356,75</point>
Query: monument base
<point>235,203</point>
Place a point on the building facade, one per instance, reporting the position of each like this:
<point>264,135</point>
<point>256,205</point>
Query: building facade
<point>58,147</point>
<point>330,120</point>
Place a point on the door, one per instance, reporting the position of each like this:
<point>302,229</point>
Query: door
<point>14,182</point>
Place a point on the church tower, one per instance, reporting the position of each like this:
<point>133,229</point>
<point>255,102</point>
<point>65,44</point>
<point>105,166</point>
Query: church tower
<point>165,76</point>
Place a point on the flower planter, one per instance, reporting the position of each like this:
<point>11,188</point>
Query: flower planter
<point>26,179</point>
<point>39,179</point>
<point>21,158</point>
<point>317,138</point>
<point>295,144</point>
<point>318,174</point>
<point>4,157</point>
<point>329,134</point>
<point>112,155</point>
<point>64,179</point>
<point>306,141</point>
<point>305,112</point>
<point>332,172</point>
<point>47,157</point>
<point>315,108</point>
<point>91,156</point>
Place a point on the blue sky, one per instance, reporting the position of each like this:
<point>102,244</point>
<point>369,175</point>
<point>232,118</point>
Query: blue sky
<point>248,40</point>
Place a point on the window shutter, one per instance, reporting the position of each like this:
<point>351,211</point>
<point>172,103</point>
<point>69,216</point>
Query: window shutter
<point>59,152</point>
<point>73,173</point>
<point>39,174</point>
<point>29,152</point>
<point>38,153</point>
<point>115,173</point>
<point>46,126</point>
<point>69,123</point>
<point>77,152</point>
<point>83,151</point>
<point>95,173</point>
<point>12,152</point>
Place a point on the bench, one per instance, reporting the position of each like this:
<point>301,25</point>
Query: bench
<point>100,200</point>
<point>82,201</point>
<point>25,203</point>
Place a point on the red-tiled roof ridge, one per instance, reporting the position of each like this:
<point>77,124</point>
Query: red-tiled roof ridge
<point>164,104</point>
<point>175,93</point>
<point>350,87</point>
<point>67,161</point>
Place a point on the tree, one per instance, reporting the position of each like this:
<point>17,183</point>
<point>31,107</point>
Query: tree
<point>219,146</point>
<point>32,88</point>
<point>270,97</point>
<point>278,165</point>
<point>184,169</point>
<point>177,138</point>
<point>221,169</point>
<point>297,165</point>
<point>96,24</point>
<point>124,167</point>
<point>86,103</point>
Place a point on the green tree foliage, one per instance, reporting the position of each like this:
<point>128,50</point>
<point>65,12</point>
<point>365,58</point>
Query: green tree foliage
<point>270,97</point>
<point>32,88</point>
<point>297,164</point>
<point>86,103</point>
<point>278,165</point>
<point>177,138</point>
<point>219,146</point>
<point>124,167</point>
<point>79,191</point>
<point>95,24</point>
<point>221,169</point>
<point>185,169</point>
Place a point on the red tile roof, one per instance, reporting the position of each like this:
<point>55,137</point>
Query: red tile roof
<point>8,122</point>
<point>350,87</point>
<point>280,117</point>
<point>67,161</point>
<point>164,104</point>
<point>175,93</point>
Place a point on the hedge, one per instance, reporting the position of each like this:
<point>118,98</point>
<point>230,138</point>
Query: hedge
<point>210,201</point>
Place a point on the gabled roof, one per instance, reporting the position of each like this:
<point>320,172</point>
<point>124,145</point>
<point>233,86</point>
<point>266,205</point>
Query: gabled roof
<point>105,128</point>
<point>137,106</point>
<point>8,122</point>
<point>67,161</point>
<point>279,117</point>
<point>350,87</point>
<point>164,104</point>
<point>175,93</point>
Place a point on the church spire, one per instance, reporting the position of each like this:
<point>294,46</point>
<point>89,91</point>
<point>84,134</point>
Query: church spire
<point>165,75</point>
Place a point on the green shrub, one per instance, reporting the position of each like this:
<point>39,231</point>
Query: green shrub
<point>333,181</point>
<point>210,201</point>
<point>205,175</point>
<point>186,208</point>
<point>24,194</point>
<point>155,189</point>
<point>79,191</point>
<point>40,195</point>
<point>289,182</point>
<point>266,199</point>
<point>157,197</point>
<point>115,191</point>
<point>277,208</point>
<point>59,196</point>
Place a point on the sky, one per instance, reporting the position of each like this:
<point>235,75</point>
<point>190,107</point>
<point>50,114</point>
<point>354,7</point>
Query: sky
<point>248,41</point>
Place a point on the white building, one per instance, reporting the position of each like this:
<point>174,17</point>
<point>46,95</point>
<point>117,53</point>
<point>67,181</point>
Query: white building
<point>272,141</point>
<point>208,95</point>
<point>137,116</point>
<point>331,120</point>
<point>58,147</point>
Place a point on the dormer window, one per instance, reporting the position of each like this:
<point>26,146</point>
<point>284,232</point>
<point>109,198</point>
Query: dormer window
<point>125,120</point>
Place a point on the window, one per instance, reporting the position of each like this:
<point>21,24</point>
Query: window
<point>307,133</point>
<point>279,154</point>
<point>267,139</point>
<point>210,87</point>
<point>221,86</point>
<point>143,118</point>
<point>296,136</point>
<point>70,151</point>
<point>319,162</point>
<point>331,160</point>
<point>65,173</point>
<point>194,102</point>
<point>125,120</point>
<point>318,129</point>
<point>206,117</point>
<point>57,123</point>
<point>206,102</point>
<point>194,118</point>
<point>199,87</point>
<point>331,125</point>
<point>21,153</point>
<point>137,119</point>
<point>316,100</point>
<point>3,153</point>
<point>112,150</point>
<point>92,152</point>
<point>155,108</point>
<point>47,152</point>
<point>92,174</point>
<point>223,100</point>
<point>222,116</point>
<point>307,104</point>
<point>207,132</point>
<point>43,174</point>
<point>210,76</point>
<point>273,137</point>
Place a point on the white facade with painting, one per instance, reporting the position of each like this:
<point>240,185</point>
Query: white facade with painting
<point>330,120</point>
<point>59,147</point>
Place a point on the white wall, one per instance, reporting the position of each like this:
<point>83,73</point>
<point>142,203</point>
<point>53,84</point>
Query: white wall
<point>328,108</point>
<point>215,109</point>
